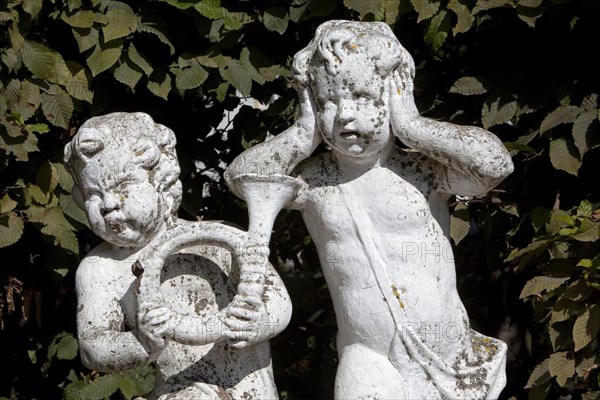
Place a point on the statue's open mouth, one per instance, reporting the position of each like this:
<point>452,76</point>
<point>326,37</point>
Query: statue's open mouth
<point>350,136</point>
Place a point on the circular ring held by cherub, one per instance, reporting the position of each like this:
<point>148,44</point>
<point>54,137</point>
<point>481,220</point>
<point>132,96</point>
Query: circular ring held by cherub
<point>153,257</point>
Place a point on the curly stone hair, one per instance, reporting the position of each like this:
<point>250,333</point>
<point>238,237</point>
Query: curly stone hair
<point>337,40</point>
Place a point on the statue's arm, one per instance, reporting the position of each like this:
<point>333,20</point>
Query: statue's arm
<point>475,160</point>
<point>277,302</point>
<point>104,346</point>
<point>282,153</point>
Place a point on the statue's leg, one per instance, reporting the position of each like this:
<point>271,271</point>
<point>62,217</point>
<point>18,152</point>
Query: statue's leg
<point>365,374</point>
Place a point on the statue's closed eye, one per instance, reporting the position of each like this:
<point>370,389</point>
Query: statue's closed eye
<point>146,153</point>
<point>90,147</point>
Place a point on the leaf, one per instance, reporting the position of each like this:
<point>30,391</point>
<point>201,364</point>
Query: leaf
<point>516,147</point>
<point>11,229</point>
<point>67,348</point>
<point>591,395</point>
<point>37,128</point>
<point>121,22</point>
<point>127,387</point>
<point>564,156</point>
<point>561,367</point>
<point>586,327</point>
<point>578,291</point>
<point>585,208</point>
<point>470,85</point>
<point>539,375</point>
<point>54,224</point>
<point>276,19</point>
<point>128,74</point>
<point>47,177</point>
<point>589,102</point>
<point>460,222</point>
<point>531,3</point>
<point>104,56</point>
<point>483,5</point>
<point>44,63</point>
<point>79,19</point>
<point>86,38</point>
<point>561,311</point>
<point>64,178</point>
<point>142,377</point>
<point>191,77</point>
<point>298,9</point>
<point>539,392</point>
<point>10,59</point>
<point>234,72</point>
<point>365,7</point>
<point>425,8</point>
<point>561,115</point>
<point>437,30</point>
<point>58,108</point>
<point>318,8</point>
<point>211,59</point>
<point>7,204</point>
<point>139,59</point>
<point>464,19</point>
<point>580,131</point>
<point>154,29</point>
<point>499,108</point>
<point>211,9</point>
<point>221,91</point>
<point>72,210</point>
<point>394,9</point>
<point>29,100</point>
<point>588,231</point>
<point>32,7</point>
<point>20,146</point>
<point>539,284</point>
<point>16,39</point>
<point>78,86</point>
<point>257,57</point>
<point>560,335</point>
<point>101,388</point>
<point>73,4</point>
<point>529,15</point>
<point>159,83</point>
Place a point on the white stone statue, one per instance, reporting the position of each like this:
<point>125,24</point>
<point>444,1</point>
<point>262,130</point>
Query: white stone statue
<point>378,216</point>
<point>180,312</point>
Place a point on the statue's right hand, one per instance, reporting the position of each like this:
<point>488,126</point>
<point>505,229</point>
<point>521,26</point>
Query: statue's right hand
<point>308,109</point>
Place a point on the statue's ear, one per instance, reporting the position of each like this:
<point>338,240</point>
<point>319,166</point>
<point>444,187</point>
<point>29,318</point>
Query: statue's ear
<point>77,195</point>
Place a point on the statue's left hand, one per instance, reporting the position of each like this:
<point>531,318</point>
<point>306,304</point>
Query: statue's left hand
<point>247,321</point>
<point>401,103</point>
<point>156,324</point>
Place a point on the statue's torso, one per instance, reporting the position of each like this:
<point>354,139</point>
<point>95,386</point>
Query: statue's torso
<point>383,219</point>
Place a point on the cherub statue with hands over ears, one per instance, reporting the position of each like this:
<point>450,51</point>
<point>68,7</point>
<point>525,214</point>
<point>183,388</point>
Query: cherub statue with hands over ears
<point>179,311</point>
<point>403,331</point>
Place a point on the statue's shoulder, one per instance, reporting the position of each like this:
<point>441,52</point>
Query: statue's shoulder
<point>316,169</point>
<point>102,263</point>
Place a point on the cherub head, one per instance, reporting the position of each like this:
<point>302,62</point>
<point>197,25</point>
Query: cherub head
<point>347,67</point>
<point>126,176</point>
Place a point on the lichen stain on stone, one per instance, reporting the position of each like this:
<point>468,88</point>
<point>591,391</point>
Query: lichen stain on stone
<point>396,294</point>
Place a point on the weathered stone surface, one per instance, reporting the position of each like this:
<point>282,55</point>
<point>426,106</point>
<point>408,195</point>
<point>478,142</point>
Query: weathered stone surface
<point>379,218</point>
<point>160,289</point>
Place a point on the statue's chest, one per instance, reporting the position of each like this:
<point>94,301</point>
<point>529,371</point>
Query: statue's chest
<point>380,199</point>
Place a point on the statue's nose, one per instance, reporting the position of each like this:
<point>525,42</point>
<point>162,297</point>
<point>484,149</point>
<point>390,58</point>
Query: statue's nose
<point>111,202</point>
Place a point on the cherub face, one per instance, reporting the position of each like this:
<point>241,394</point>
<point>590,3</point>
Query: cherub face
<point>353,113</point>
<point>123,207</point>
